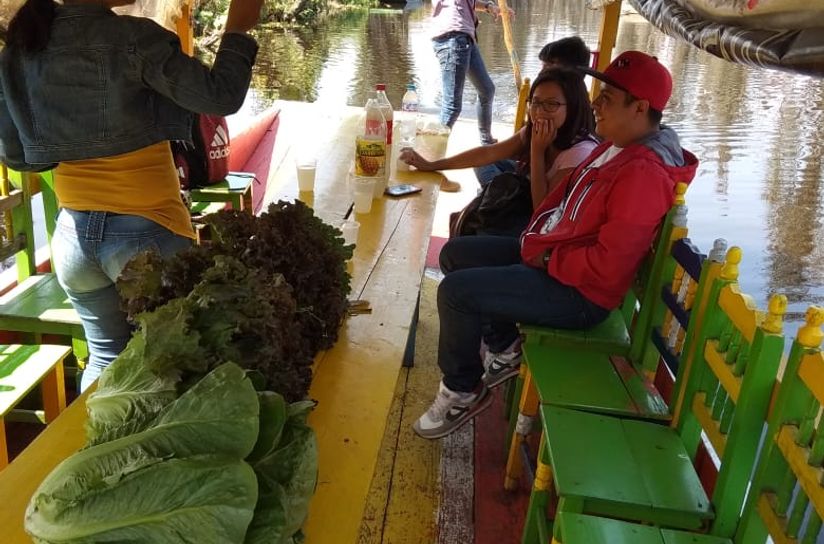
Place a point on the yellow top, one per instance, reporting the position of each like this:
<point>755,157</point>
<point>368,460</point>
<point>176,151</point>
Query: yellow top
<point>142,182</point>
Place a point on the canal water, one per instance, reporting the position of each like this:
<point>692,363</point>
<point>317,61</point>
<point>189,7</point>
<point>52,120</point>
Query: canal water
<point>758,133</point>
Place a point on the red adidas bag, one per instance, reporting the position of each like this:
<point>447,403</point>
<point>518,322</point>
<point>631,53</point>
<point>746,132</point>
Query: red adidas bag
<point>207,161</point>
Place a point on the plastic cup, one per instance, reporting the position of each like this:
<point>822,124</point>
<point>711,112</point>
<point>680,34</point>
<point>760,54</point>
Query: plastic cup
<point>350,229</point>
<point>379,188</point>
<point>306,174</point>
<point>363,193</point>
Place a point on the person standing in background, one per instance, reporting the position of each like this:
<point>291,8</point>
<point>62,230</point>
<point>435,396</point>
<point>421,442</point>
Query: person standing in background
<point>98,97</point>
<point>454,39</point>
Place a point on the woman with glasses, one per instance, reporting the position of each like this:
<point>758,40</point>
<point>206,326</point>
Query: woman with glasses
<point>557,137</point>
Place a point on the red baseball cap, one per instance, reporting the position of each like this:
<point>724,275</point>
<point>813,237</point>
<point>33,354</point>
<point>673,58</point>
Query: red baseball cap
<point>640,75</point>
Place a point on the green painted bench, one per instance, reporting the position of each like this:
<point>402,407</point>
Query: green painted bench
<point>22,368</point>
<point>235,190</point>
<point>582,529</point>
<point>642,471</point>
<point>624,333</point>
<point>37,305</point>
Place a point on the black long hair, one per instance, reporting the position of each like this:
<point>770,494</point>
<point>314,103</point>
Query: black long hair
<point>30,28</point>
<point>580,123</point>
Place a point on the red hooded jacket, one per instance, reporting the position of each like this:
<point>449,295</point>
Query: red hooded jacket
<point>610,215</point>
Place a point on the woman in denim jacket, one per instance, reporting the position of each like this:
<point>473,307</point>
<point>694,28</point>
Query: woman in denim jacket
<point>98,97</point>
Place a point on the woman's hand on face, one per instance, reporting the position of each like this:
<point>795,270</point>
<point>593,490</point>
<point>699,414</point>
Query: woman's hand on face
<point>413,158</point>
<point>543,134</point>
<point>243,16</point>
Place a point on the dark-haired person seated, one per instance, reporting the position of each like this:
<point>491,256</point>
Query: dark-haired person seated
<point>576,259</point>
<point>570,52</point>
<point>556,138</point>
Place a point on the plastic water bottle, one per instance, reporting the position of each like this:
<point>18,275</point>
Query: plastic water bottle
<point>409,120</point>
<point>386,110</point>
<point>388,115</point>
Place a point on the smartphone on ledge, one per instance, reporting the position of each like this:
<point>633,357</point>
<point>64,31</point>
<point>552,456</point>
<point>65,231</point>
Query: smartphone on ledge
<point>402,189</point>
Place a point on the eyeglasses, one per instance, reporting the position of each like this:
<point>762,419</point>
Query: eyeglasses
<point>549,106</point>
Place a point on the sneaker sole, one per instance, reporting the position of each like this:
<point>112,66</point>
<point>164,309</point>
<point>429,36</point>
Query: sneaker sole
<point>500,378</point>
<point>477,409</point>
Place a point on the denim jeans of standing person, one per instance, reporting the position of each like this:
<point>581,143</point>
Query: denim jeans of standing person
<point>486,291</point>
<point>460,59</point>
<point>90,250</point>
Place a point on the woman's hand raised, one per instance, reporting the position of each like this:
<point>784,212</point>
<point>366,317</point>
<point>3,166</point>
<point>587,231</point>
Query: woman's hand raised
<point>243,16</point>
<point>543,134</point>
<point>413,158</point>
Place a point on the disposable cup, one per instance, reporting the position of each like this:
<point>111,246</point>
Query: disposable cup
<point>363,193</point>
<point>379,188</point>
<point>306,174</point>
<point>350,229</point>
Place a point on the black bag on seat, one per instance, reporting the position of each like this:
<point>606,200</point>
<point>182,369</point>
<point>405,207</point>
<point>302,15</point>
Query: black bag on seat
<point>503,208</point>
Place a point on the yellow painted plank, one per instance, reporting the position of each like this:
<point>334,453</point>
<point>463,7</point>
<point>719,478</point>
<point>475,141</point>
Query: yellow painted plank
<point>741,310</point>
<point>354,386</point>
<point>708,424</point>
<point>811,372</point>
<point>22,477</point>
<point>722,371</point>
<point>413,502</point>
<point>4,447</point>
<point>808,476</point>
<point>355,380</point>
<point>374,513</point>
<point>776,526</point>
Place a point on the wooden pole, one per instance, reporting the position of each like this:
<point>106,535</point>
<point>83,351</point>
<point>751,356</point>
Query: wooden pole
<point>506,21</point>
<point>606,41</point>
<point>185,29</point>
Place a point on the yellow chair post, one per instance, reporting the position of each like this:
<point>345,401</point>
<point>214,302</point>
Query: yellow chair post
<point>529,404</point>
<point>520,110</point>
<point>185,30</point>
<point>606,41</point>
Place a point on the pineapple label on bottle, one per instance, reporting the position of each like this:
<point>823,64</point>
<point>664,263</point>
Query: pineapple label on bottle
<point>370,157</point>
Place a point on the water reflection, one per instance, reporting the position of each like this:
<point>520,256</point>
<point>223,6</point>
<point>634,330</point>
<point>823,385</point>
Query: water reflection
<point>757,132</point>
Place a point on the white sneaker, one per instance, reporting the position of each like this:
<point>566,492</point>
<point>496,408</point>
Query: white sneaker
<point>450,410</point>
<point>499,367</point>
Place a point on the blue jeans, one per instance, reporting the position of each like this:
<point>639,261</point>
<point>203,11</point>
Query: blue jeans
<point>486,291</point>
<point>89,250</point>
<point>459,58</point>
<point>486,173</point>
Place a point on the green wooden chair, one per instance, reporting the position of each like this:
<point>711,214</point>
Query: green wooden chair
<point>787,499</point>
<point>642,471</point>
<point>235,190</point>
<point>22,368</point>
<point>37,305</point>
<point>613,384</point>
<point>582,529</point>
<point>623,333</point>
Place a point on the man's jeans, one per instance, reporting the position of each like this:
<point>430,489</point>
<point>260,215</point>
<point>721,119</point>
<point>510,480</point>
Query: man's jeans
<point>485,292</point>
<point>90,249</point>
<point>460,58</point>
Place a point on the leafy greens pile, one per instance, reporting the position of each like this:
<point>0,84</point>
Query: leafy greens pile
<point>287,240</point>
<point>197,432</point>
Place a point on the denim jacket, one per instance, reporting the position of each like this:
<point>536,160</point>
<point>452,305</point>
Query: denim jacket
<point>108,84</point>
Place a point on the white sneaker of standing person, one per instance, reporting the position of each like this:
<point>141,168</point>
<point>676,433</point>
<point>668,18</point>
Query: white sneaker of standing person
<point>450,410</point>
<point>499,367</point>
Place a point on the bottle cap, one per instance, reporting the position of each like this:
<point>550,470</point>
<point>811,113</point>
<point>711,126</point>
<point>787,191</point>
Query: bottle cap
<point>380,87</point>
<point>410,86</point>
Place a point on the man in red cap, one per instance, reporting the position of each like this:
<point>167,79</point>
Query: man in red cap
<point>577,258</point>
